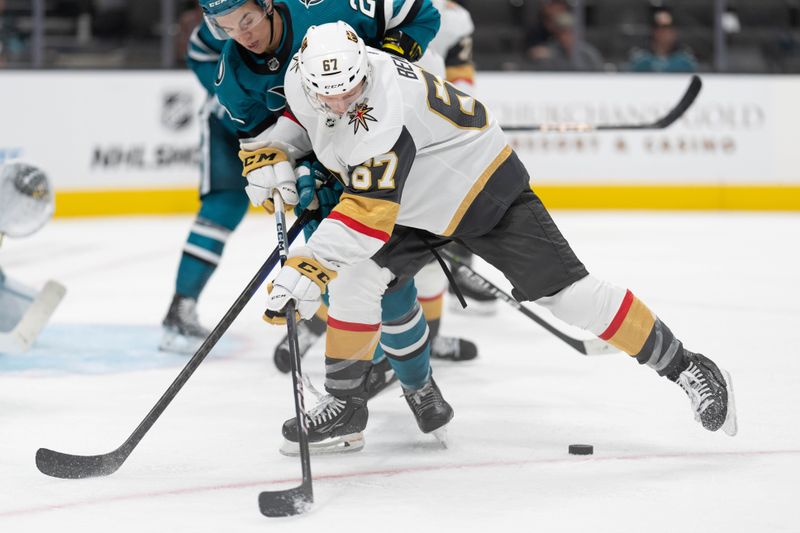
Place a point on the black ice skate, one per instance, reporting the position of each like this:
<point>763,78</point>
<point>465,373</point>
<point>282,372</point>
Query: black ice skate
<point>183,333</point>
<point>335,425</point>
<point>480,301</point>
<point>380,376</point>
<point>308,332</point>
<point>453,349</point>
<point>430,409</point>
<point>710,390</point>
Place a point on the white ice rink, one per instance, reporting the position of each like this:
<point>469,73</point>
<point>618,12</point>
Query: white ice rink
<point>727,284</point>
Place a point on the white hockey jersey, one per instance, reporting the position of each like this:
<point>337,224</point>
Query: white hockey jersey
<point>415,152</point>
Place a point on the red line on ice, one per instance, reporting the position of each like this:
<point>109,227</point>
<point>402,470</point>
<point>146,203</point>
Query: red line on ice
<point>387,472</point>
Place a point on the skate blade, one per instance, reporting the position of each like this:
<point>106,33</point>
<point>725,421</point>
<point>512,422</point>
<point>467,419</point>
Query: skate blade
<point>730,426</point>
<point>441,436</point>
<point>341,444</point>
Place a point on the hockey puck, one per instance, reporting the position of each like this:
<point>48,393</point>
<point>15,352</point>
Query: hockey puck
<point>581,449</point>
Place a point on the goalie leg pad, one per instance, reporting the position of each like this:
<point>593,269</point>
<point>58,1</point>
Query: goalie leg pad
<point>22,335</point>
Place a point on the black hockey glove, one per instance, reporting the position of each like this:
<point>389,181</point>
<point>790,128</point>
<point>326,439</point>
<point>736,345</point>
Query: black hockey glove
<point>398,43</point>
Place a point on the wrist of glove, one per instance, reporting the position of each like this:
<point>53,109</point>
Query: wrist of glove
<point>309,178</point>
<point>302,279</point>
<point>268,172</point>
<point>318,190</point>
<point>400,44</point>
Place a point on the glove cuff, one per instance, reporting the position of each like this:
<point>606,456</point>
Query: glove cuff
<point>260,158</point>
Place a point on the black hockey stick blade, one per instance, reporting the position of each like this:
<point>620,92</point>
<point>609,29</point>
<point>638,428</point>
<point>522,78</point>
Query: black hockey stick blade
<point>666,121</point>
<point>586,347</point>
<point>290,502</point>
<point>67,466</point>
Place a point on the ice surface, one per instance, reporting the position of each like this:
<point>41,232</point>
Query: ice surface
<point>727,284</point>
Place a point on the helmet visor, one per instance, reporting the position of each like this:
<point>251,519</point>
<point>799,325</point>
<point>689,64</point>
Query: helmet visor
<point>227,25</point>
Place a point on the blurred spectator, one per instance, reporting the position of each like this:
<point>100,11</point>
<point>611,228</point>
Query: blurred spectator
<point>189,16</point>
<point>563,51</point>
<point>541,32</point>
<point>110,19</point>
<point>665,53</point>
<point>12,46</point>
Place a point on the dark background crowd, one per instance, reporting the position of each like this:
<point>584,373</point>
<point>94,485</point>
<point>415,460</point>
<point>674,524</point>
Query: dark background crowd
<point>748,36</point>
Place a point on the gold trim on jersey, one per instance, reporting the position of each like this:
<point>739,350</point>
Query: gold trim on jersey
<point>379,215</point>
<point>477,187</point>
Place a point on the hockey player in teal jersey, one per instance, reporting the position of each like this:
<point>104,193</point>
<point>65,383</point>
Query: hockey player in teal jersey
<point>253,89</point>
<point>224,203</point>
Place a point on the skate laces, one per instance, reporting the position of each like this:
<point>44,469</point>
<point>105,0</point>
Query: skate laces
<point>187,317</point>
<point>187,310</point>
<point>694,383</point>
<point>423,398</point>
<point>328,408</point>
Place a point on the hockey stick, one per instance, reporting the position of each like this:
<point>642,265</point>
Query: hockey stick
<point>63,465</point>
<point>586,347</point>
<point>582,127</point>
<point>289,502</point>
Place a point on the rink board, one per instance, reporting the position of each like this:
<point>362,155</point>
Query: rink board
<point>127,142</point>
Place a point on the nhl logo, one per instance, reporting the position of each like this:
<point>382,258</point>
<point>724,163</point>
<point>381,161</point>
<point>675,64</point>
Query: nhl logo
<point>177,110</point>
<point>329,122</point>
<point>310,3</point>
<point>273,64</point>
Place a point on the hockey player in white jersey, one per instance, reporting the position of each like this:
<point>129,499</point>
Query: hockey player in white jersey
<point>424,164</point>
<point>26,204</point>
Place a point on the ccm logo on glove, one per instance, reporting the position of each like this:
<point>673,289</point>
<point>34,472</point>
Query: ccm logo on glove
<point>260,158</point>
<point>313,271</point>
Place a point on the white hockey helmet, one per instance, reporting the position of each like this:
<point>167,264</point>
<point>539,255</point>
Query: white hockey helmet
<point>26,199</point>
<point>332,60</point>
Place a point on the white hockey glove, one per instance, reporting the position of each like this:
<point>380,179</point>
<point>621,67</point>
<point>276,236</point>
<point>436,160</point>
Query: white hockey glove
<point>302,279</point>
<point>268,171</point>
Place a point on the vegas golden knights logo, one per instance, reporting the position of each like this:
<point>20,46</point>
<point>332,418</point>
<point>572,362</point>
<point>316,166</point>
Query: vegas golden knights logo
<point>360,116</point>
<point>352,36</point>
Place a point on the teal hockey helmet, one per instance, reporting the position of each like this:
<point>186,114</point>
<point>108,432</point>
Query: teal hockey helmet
<point>212,9</point>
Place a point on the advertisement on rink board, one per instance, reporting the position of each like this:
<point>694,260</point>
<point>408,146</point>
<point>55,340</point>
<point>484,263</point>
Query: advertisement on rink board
<point>122,131</point>
<point>104,130</point>
<point>737,132</point>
